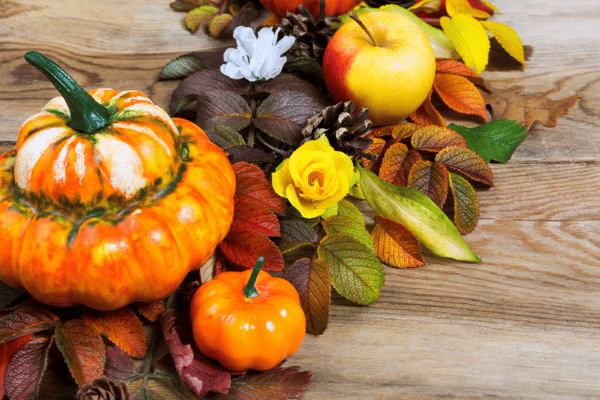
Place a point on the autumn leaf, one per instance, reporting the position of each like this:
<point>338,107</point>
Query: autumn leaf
<point>122,327</point>
<point>508,39</point>
<point>243,247</point>
<point>397,163</point>
<point>460,94</point>
<point>119,365</point>
<point>469,38</point>
<point>346,224</point>
<point>497,140</point>
<point>395,245</point>
<point>430,179</point>
<point>356,273</point>
<point>7,349</point>
<point>150,310</point>
<point>377,147</point>
<point>449,66</point>
<point>26,369</point>
<point>252,184</point>
<point>427,114</point>
<point>83,349</point>
<point>312,281</point>
<point>466,204</point>
<point>435,138</point>
<point>467,162</point>
<point>396,131</point>
<point>279,383</point>
<point>24,320</point>
<point>297,231</point>
<point>255,217</point>
<point>526,110</point>
<point>199,16</point>
<point>218,24</point>
<point>350,210</point>
<point>455,7</point>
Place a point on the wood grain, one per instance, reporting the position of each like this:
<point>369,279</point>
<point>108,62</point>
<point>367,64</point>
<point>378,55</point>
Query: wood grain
<point>522,324</point>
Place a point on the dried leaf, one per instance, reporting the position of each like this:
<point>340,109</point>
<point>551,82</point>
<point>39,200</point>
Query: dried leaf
<point>449,66</point>
<point>122,327</point>
<point>151,310</point>
<point>7,349</point>
<point>197,371</point>
<point>430,179</point>
<point>312,281</point>
<point>252,183</point>
<point>395,245</point>
<point>467,162</point>
<point>242,247</point>
<point>460,94</point>
<point>435,138</point>
<point>526,110</point>
<point>24,320</point>
<point>397,131</point>
<point>83,349</point>
<point>397,163</point>
<point>26,368</point>
<point>356,272</point>
<point>255,217</point>
<point>427,114</point>
<point>469,39</point>
<point>508,39</point>
<point>199,16</point>
<point>466,204</point>
<point>496,140</point>
<point>278,383</point>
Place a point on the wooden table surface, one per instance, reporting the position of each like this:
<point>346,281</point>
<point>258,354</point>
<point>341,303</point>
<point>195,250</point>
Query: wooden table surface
<point>523,324</point>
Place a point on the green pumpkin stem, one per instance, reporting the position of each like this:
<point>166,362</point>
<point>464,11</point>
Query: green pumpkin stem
<point>87,115</point>
<point>250,290</point>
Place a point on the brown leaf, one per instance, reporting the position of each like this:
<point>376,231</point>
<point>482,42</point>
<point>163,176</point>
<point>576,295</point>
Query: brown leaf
<point>395,245</point>
<point>427,114</point>
<point>252,184</point>
<point>466,204</point>
<point>312,281</point>
<point>26,368</point>
<point>377,148</point>
<point>431,180</point>
<point>467,162</point>
<point>435,138</point>
<point>397,163</point>
<point>398,131</point>
<point>460,95</point>
<point>122,327</point>
<point>218,24</point>
<point>278,383</point>
<point>7,349</point>
<point>526,110</point>
<point>119,365</point>
<point>242,247</point>
<point>24,320</point>
<point>151,311</point>
<point>83,350</point>
<point>449,66</point>
<point>255,217</point>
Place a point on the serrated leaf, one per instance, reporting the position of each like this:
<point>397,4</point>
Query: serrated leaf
<point>312,281</point>
<point>467,162</point>
<point>255,217</point>
<point>150,310</point>
<point>466,204</point>
<point>395,245</point>
<point>431,179</point>
<point>356,272</point>
<point>216,108</point>
<point>297,231</point>
<point>497,140</point>
<point>350,226</point>
<point>181,67</point>
<point>122,327</point>
<point>449,66</point>
<point>279,383</point>
<point>225,137</point>
<point>24,320</point>
<point>252,183</point>
<point>469,39</point>
<point>508,39</point>
<point>348,209</point>
<point>83,349</point>
<point>242,247</point>
<point>119,365</point>
<point>7,350</point>
<point>460,94</point>
<point>199,16</point>
<point>377,147</point>
<point>418,213</point>
<point>218,24</point>
<point>435,138</point>
<point>427,114</point>
<point>397,163</point>
<point>26,369</point>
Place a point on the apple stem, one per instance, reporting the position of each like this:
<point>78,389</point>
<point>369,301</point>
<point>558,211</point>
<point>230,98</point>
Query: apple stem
<point>353,15</point>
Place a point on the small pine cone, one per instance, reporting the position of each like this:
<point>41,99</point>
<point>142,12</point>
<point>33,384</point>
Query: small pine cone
<point>346,131</point>
<point>103,389</point>
<point>401,3</point>
<point>312,35</point>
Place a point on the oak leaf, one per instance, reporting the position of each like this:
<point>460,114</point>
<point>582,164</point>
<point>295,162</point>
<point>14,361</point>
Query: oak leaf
<point>395,245</point>
<point>122,327</point>
<point>430,179</point>
<point>466,204</point>
<point>527,109</point>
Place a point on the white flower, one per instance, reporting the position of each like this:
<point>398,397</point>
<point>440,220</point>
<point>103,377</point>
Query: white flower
<point>256,58</point>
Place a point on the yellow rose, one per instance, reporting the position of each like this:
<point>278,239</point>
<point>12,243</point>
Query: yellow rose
<point>315,178</point>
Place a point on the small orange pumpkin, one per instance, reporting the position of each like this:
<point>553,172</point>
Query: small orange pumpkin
<point>333,8</point>
<point>105,200</point>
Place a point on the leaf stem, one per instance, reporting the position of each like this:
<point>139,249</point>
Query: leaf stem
<point>250,290</point>
<point>353,15</point>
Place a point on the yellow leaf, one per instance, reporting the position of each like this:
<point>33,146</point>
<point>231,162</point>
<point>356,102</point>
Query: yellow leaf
<point>427,6</point>
<point>469,38</point>
<point>455,7</point>
<point>490,5</point>
<point>508,38</point>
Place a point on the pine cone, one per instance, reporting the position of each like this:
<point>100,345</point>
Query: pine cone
<point>346,131</point>
<point>312,35</point>
<point>103,389</point>
<point>401,3</point>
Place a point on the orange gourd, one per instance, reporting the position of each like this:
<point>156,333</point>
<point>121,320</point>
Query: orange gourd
<point>280,8</point>
<point>105,200</point>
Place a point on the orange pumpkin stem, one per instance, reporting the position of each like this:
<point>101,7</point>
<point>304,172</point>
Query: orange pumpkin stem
<point>250,290</point>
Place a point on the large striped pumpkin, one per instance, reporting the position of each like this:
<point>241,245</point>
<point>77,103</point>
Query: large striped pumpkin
<point>112,211</point>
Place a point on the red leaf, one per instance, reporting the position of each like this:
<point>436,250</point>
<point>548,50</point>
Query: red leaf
<point>435,138</point>
<point>312,281</point>
<point>197,371</point>
<point>26,368</point>
<point>427,114</point>
<point>6,351</point>
<point>431,180</point>
<point>275,384</point>
<point>151,311</point>
<point>251,183</point>
<point>122,327</point>
<point>243,247</point>
<point>395,245</point>
<point>468,162</point>
<point>255,217</point>
<point>25,320</point>
<point>119,365</point>
<point>460,94</point>
<point>82,348</point>
<point>397,163</point>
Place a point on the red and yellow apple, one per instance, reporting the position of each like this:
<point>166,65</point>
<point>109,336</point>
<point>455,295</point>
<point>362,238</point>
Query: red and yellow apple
<point>387,66</point>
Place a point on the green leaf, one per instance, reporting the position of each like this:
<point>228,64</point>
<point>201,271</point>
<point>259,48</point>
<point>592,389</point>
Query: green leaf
<point>347,208</point>
<point>356,272</point>
<point>418,213</point>
<point>181,67</point>
<point>225,136</point>
<point>305,65</point>
<point>466,204</point>
<point>346,224</point>
<point>495,140</point>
